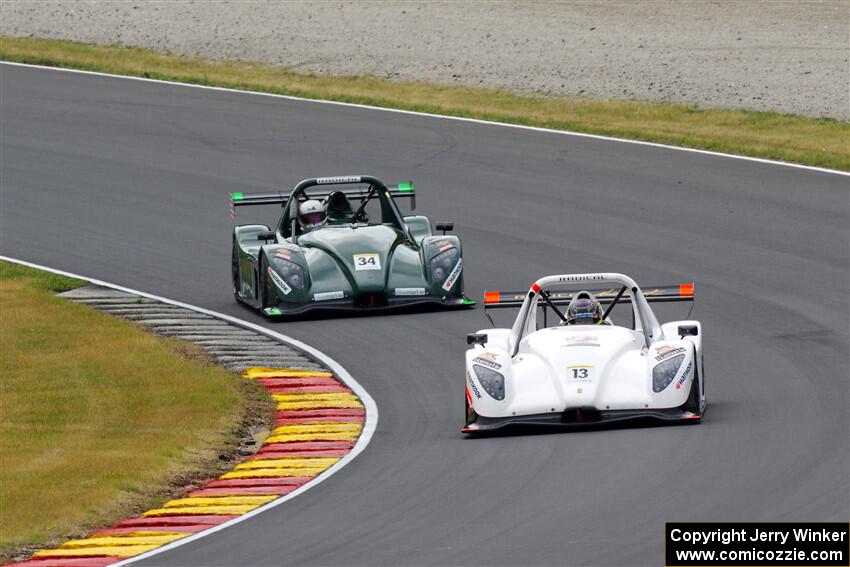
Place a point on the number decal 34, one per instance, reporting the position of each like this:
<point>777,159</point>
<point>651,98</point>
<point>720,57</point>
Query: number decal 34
<point>367,262</point>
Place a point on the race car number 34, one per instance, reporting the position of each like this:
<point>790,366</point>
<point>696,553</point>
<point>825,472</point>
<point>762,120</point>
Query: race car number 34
<point>367,262</point>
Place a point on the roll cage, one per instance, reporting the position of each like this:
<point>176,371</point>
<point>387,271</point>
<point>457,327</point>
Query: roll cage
<point>318,188</point>
<point>541,294</point>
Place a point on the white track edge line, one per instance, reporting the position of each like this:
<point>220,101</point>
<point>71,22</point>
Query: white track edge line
<point>369,426</point>
<point>442,116</point>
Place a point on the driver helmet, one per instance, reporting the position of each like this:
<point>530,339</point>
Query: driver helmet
<point>311,213</point>
<point>584,311</point>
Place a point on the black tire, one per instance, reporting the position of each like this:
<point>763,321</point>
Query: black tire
<point>693,402</point>
<point>469,413</point>
<point>263,286</point>
<point>234,273</point>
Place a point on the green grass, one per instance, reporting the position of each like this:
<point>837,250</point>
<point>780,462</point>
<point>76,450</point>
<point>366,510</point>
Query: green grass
<point>818,142</point>
<point>99,420</point>
<point>38,279</point>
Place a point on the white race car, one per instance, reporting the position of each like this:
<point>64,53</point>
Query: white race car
<point>582,371</point>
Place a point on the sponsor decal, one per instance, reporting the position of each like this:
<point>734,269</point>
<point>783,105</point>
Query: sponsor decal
<point>473,387</point>
<point>665,351</point>
<point>347,179</point>
<point>279,282</point>
<point>370,261</point>
<point>582,341</point>
<point>580,372</point>
<point>684,376</point>
<point>446,247</point>
<point>488,359</point>
<point>283,256</point>
<point>454,275</point>
<point>580,278</point>
<point>410,291</point>
<point>325,295</point>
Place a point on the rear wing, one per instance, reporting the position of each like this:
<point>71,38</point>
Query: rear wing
<point>312,188</point>
<point>665,293</point>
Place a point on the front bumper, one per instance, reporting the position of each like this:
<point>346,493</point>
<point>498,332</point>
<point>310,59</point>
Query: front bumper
<point>578,417</point>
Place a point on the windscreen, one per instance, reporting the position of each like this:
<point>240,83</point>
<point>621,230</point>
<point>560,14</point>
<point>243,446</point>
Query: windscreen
<point>365,207</point>
<point>591,305</point>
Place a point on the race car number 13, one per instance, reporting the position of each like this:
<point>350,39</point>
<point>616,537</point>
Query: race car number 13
<point>367,262</point>
<point>580,372</point>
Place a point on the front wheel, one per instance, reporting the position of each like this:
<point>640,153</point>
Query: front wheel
<point>469,413</point>
<point>692,404</point>
<point>267,296</point>
<point>234,273</point>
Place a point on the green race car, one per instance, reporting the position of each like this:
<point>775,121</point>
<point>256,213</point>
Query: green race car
<point>342,244</point>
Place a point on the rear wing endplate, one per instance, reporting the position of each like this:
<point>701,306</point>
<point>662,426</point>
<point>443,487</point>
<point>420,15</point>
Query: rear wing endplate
<point>664,293</point>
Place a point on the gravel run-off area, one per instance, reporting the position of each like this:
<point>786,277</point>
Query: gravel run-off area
<point>790,56</point>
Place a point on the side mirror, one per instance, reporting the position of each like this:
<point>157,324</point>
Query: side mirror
<point>265,235</point>
<point>476,339</point>
<point>444,226</point>
<point>688,330</point>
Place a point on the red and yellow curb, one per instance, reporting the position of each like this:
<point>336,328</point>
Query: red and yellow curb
<point>318,421</point>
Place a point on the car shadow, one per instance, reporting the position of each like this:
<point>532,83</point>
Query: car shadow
<point>578,428</point>
<point>320,314</point>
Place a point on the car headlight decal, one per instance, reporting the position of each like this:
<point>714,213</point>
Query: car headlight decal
<point>492,381</point>
<point>442,264</point>
<point>290,271</point>
<point>664,373</point>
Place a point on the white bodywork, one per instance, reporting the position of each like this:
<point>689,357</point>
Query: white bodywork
<point>593,367</point>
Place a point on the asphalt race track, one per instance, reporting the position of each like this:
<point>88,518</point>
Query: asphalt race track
<point>127,181</point>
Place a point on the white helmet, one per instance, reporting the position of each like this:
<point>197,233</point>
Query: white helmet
<point>311,213</point>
